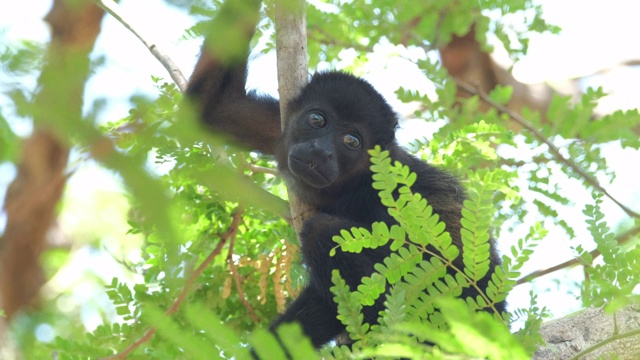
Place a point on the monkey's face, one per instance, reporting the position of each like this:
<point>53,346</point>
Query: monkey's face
<point>322,149</point>
<point>334,120</point>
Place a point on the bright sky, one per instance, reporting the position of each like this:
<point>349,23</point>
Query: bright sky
<point>595,36</point>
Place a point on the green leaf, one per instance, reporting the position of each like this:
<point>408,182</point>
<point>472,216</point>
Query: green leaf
<point>349,307</point>
<point>298,345</point>
<point>266,345</point>
<point>193,346</point>
<point>501,94</point>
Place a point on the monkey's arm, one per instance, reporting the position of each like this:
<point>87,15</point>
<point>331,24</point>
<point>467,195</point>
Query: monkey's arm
<point>217,85</point>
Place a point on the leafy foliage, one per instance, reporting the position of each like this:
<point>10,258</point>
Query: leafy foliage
<point>613,282</point>
<point>419,284</point>
<point>213,228</point>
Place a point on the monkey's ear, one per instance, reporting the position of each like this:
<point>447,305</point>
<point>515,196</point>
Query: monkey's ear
<point>313,76</point>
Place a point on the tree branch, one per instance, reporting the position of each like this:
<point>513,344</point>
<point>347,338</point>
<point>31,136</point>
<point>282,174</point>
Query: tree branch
<point>261,169</point>
<point>256,168</point>
<point>591,334</point>
<point>229,234</point>
<point>576,261</point>
<point>114,9</point>
<point>238,282</point>
<point>552,148</point>
<point>624,336</point>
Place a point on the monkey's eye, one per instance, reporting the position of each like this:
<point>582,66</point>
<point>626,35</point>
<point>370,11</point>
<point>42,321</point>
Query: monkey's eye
<point>317,120</point>
<point>351,141</point>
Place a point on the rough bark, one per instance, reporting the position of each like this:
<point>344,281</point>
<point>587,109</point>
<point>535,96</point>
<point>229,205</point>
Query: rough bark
<point>572,336</point>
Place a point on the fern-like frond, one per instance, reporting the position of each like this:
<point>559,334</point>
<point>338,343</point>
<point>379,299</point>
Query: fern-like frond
<point>613,282</point>
<point>349,307</point>
<point>446,287</point>
<point>371,288</point>
<point>412,212</point>
<point>422,276</point>
<point>475,226</point>
<point>395,309</point>
<point>399,263</point>
<point>499,286</point>
<point>358,238</point>
<point>336,353</point>
<point>390,271</point>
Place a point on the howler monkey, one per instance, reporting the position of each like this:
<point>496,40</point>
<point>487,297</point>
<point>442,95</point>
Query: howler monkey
<point>322,155</point>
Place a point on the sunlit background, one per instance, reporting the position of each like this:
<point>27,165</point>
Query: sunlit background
<point>597,37</point>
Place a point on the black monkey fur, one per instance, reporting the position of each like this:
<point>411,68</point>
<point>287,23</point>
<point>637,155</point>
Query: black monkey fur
<point>322,155</point>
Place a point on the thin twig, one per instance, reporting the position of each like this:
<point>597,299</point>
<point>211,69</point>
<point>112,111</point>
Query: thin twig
<point>262,169</point>
<point>409,28</point>
<point>328,39</point>
<point>552,148</point>
<point>229,234</point>
<point>257,168</point>
<point>175,73</point>
<point>577,261</point>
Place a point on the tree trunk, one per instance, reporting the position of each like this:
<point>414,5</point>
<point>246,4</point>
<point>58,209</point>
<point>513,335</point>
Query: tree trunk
<point>32,197</point>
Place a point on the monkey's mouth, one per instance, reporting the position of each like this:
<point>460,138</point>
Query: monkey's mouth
<point>318,176</point>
